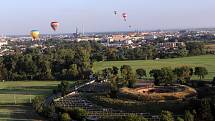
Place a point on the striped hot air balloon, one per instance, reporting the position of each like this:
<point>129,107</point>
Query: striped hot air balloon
<point>35,34</point>
<point>55,25</point>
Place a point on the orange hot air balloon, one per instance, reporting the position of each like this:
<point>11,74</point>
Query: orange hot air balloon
<point>124,15</point>
<point>35,34</point>
<point>55,25</point>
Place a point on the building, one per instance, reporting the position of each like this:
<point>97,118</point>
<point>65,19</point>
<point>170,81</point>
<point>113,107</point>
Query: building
<point>170,44</point>
<point>3,42</point>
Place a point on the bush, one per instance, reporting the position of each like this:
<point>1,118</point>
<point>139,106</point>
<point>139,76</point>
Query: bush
<point>166,116</point>
<point>78,114</point>
<point>65,117</point>
<point>38,103</point>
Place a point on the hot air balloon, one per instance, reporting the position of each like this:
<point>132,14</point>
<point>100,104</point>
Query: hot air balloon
<point>55,25</point>
<point>124,15</point>
<point>115,12</point>
<point>35,34</point>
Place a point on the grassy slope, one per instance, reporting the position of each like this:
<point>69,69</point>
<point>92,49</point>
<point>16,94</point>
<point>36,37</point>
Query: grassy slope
<point>207,61</point>
<point>22,91</point>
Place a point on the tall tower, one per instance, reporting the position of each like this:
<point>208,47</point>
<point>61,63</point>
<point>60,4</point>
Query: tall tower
<point>76,35</point>
<point>82,30</point>
<point>76,30</point>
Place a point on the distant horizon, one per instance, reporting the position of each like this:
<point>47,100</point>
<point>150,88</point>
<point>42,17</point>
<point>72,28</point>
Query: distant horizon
<point>171,29</point>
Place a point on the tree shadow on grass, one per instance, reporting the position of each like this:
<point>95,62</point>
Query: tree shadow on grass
<point>23,112</point>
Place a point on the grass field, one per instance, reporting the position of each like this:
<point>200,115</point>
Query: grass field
<point>207,61</point>
<point>23,91</point>
<point>15,95</point>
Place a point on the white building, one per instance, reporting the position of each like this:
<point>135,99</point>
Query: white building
<point>3,42</point>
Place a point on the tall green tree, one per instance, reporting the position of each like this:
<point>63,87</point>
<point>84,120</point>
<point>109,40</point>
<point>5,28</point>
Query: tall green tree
<point>115,70</point>
<point>168,75</point>
<point>184,73</point>
<point>140,73</point>
<point>195,48</point>
<point>201,72</point>
<point>157,74</point>
<point>128,75</point>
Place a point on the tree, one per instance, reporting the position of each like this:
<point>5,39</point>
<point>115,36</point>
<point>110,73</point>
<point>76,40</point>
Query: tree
<point>203,109</point>
<point>73,70</point>
<point>213,82</point>
<point>65,117</point>
<point>188,116</point>
<point>156,73</point>
<point>38,102</point>
<point>78,114</point>
<point>195,48</point>
<point>3,72</point>
<point>107,73</point>
<point>182,52</point>
<point>201,72</point>
<point>184,73</point>
<point>140,73</point>
<point>166,116</point>
<point>204,112</point>
<point>115,70</point>
<point>45,71</point>
<point>63,87</point>
<point>164,75</point>
<point>126,70</point>
<point>128,75</point>
<point>167,77</point>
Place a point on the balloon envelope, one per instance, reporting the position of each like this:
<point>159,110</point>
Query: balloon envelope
<point>35,34</point>
<point>115,12</point>
<point>55,25</point>
<point>124,15</point>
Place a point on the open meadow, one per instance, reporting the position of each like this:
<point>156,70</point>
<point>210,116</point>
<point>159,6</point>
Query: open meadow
<point>14,95</point>
<point>207,61</point>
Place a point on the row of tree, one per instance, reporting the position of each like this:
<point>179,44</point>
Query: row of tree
<point>146,52</point>
<point>164,75</point>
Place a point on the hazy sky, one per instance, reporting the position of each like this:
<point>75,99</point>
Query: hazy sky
<point>21,16</point>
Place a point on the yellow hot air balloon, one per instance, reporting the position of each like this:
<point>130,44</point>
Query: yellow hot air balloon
<point>35,34</point>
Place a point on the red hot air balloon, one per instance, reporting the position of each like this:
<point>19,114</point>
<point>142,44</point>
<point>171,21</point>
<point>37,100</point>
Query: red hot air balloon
<point>55,25</point>
<point>124,15</point>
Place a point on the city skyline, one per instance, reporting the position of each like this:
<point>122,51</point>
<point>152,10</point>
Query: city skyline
<point>20,17</point>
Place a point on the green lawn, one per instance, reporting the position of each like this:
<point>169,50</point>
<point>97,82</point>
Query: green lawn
<point>15,94</point>
<point>20,92</point>
<point>207,61</point>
